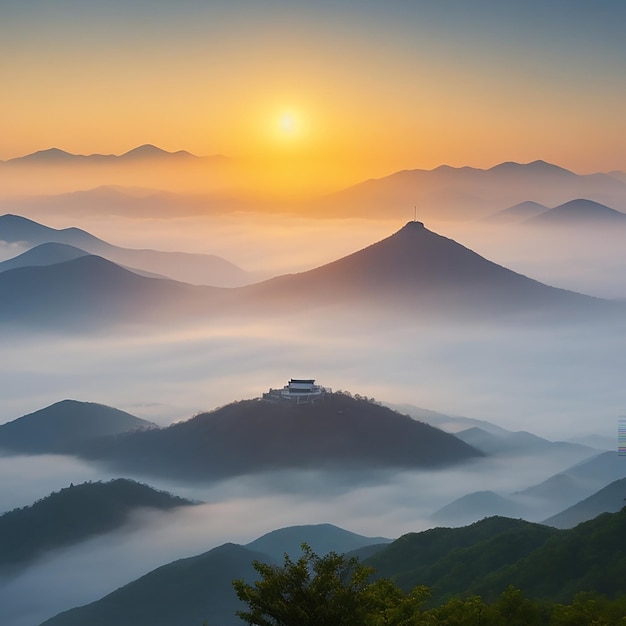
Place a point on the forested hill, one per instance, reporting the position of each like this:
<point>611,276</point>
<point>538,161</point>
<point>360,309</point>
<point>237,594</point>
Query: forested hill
<point>339,432</point>
<point>488,556</point>
<point>493,558</point>
<point>73,514</point>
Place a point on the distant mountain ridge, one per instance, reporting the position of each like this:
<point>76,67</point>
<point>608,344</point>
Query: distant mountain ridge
<point>91,293</point>
<point>579,211</point>
<point>518,212</point>
<point>445,192</point>
<point>321,538</point>
<point>415,274</point>
<point>116,200</point>
<point>609,499</point>
<point>204,269</point>
<point>43,254</point>
<point>468,193</point>
<point>475,506</point>
<point>52,156</point>
<point>565,490</point>
<point>580,480</point>
<point>54,171</point>
<point>522,442</point>
<point>64,424</point>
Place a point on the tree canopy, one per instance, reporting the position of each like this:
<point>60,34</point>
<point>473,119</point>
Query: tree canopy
<point>335,590</point>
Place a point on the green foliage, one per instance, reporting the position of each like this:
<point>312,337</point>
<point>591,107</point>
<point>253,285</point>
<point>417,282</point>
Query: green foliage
<point>312,591</point>
<point>590,609</point>
<point>453,560</point>
<point>337,591</point>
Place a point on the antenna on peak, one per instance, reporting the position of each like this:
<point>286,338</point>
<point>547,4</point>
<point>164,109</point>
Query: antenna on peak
<point>415,213</point>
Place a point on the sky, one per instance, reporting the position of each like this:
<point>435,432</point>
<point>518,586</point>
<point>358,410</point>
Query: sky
<point>340,91</point>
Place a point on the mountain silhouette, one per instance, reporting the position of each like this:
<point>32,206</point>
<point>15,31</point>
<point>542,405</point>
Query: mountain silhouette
<point>339,434</point>
<point>522,443</point>
<point>467,193</point>
<point>476,506</point>
<point>53,156</point>
<point>412,275</point>
<point>149,151</point>
<point>417,272</point>
<point>321,538</point>
<point>609,499</point>
<point>64,424</point>
<point>90,292</point>
<point>579,211</point>
<point>50,156</point>
<point>578,481</point>
<point>204,269</point>
<point>532,169</point>
<point>187,591</point>
<point>517,212</point>
<point>43,254</point>
<point>52,253</point>
<point>74,514</point>
<point>20,230</point>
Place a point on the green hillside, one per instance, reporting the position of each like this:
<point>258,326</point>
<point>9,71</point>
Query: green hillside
<point>185,592</point>
<point>589,557</point>
<point>488,556</point>
<point>494,572</point>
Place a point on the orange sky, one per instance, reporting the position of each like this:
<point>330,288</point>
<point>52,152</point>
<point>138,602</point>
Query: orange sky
<point>371,88</point>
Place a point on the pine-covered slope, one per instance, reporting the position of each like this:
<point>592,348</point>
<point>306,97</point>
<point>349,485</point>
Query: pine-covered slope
<point>73,514</point>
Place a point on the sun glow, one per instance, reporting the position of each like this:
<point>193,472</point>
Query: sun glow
<point>287,123</point>
<point>288,126</point>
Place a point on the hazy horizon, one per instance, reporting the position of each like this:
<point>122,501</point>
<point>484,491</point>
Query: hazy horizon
<point>310,94</point>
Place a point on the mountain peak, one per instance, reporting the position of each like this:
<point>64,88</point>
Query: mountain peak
<point>150,151</point>
<point>537,167</point>
<point>65,423</point>
<point>413,225</point>
<point>427,273</point>
<point>579,210</point>
<point>11,218</point>
<point>51,155</point>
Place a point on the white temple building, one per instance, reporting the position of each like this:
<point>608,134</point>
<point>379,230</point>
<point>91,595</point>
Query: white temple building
<point>299,391</point>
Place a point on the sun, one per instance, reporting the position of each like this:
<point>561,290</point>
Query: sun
<point>287,123</point>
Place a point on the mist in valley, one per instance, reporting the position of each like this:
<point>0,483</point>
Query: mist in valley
<point>239,510</point>
<point>589,259</point>
<point>558,379</point>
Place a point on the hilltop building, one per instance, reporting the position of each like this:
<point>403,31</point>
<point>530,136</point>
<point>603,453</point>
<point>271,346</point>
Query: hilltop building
<point>299,391</point>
